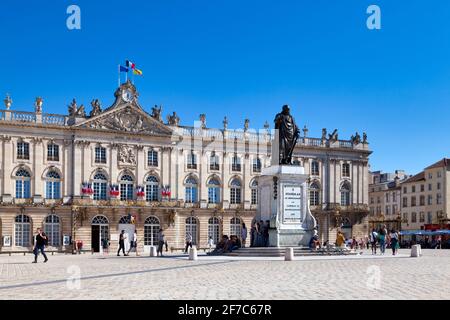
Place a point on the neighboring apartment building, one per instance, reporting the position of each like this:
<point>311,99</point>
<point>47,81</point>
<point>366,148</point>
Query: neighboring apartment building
<point>90,176</point>
<point>426,198</point>
<point>385,199</point>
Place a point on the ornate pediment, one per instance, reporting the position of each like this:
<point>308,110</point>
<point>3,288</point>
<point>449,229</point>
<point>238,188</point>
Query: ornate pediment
<point>127,118</point>
<point>126,115</point>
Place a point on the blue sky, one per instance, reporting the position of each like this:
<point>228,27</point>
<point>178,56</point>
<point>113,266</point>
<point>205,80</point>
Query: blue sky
<point>245,59</point>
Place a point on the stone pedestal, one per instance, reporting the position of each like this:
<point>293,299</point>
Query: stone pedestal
<point>283,195</point>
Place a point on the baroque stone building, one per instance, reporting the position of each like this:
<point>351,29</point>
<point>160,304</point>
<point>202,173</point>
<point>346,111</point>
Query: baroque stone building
<point>426,198</point>
<point>385,199</point>
<point>85,177</point>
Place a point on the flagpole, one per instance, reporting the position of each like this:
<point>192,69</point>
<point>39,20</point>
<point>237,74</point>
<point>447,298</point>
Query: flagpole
<point>118,69</point>
<point>126,76</point>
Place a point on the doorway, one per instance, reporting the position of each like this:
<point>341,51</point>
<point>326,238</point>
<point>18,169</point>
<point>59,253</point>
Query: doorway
<point>99,232</point>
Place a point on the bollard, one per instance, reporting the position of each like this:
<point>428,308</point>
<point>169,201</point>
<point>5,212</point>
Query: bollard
<point>416,251</point>
<point>289,254</point>
<point>153,252</point>
<point>193,253</point>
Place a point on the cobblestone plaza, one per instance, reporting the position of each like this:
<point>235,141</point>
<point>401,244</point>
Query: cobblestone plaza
<point>220,278</point>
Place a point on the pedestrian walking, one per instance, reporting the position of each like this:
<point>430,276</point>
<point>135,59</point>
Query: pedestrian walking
<point>188,241</point>
<point>210,243</point>
<point>133,244</point>
<point>243,235</point>
<point>122,238</point>
<point>394,241</point>
<point>105,246</point>
<point>373,241</point>
<point>382,235</point>
<point>40,241</point>
<point>439,242</point>
<point>161,241</point>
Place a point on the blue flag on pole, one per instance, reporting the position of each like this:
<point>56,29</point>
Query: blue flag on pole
<point>123,69</point>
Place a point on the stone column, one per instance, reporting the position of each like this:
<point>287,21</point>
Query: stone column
<point>78,167</point>
<point>37,156</point>
<point>332,186</point>
<point>246,174</point>
<point>203,176</point>
<point>66,160</point>
<point>226,168</point>
<point>87,157</point>
<point>173,172</point>
<point>113,164</point>
<point>140,165</point>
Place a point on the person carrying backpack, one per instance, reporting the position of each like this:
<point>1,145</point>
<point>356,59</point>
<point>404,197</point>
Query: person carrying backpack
<point>373,241</point>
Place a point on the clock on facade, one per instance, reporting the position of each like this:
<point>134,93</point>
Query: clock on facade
<point>127,95</point>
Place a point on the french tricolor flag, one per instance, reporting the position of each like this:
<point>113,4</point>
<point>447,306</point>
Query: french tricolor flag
<point>130,64</point>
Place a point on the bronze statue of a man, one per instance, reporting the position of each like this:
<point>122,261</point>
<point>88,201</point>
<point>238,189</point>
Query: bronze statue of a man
<point>288,134</point>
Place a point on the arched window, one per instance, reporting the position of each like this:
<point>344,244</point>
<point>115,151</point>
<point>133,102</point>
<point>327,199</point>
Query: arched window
<point>235,227</point>
<point>345,194</point>
<point>124,220</point>
<point>213,190</point>
<point>52,230</point>
<point>152,189</point>
<point>100,183</point>
<point>191,227</point>
<point>100,220</point>
<point>235,191</point>
<point>254,191</point>
<point>314,194</point>
<point>53,185</point>
<point>126,187</point>
<point>23,184</point>
<point>151,229</point>
<point>214,229</point>
<point>191,189</point>
<point>214,162</point>
<point>22,231</point>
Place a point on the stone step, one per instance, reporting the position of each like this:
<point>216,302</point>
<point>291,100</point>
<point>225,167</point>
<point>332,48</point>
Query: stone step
<point>280,252</point>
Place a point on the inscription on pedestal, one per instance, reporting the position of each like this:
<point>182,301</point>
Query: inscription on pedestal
<point>292,204</point>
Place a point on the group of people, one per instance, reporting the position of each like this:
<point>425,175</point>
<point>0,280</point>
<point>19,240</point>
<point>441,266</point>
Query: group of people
<point>383,238</point>
<point>227,244</point>
<point>259,234</point>
<point>133,244</point>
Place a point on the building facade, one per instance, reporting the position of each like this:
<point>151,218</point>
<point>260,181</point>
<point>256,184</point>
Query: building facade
<point>426,198</point>
<point>385,199</point>
<point>84,177</point>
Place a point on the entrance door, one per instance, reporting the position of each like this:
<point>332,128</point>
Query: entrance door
<point>95,238</point>
<point>129,231</point>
